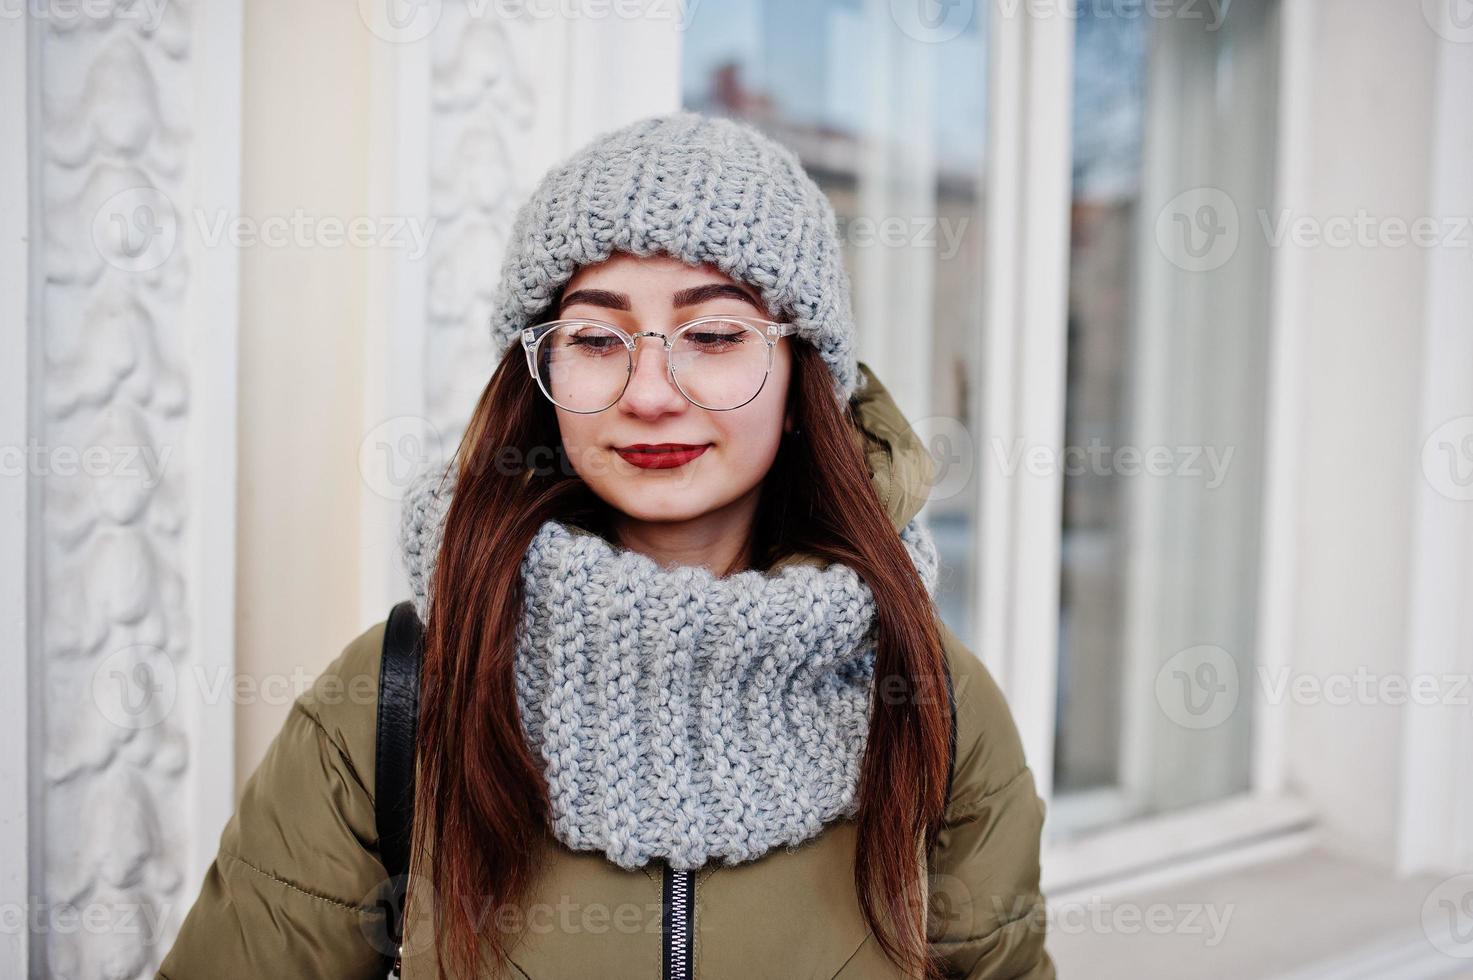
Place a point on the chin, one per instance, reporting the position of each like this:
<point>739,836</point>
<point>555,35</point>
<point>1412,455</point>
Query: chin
<point>655,511</point>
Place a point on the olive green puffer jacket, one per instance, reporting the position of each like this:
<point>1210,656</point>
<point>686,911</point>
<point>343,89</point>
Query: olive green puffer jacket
<point>293,892</point>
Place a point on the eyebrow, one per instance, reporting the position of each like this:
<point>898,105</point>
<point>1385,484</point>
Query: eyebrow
<point>713,290</point>
<point>693,296</point>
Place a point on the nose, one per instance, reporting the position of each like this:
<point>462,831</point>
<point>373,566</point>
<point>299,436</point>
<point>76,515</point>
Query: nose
<point>651,391</point>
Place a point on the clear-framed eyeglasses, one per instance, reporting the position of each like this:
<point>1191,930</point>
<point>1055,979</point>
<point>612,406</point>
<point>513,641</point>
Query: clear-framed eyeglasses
<point>717,362</point>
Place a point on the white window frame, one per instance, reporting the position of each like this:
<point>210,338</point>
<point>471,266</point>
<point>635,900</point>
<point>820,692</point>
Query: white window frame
<point>16,494</point>
<point>1022,393</point>
<point>1436,832</point>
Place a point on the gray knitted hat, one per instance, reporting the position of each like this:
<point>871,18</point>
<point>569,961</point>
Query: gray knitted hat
<point>699,188</point>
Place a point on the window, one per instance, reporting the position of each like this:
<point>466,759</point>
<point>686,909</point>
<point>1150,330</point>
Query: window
<point>1173,134</point>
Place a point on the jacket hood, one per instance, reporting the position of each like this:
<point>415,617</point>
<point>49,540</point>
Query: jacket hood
<point>901,467</point>
<point>901,470</point>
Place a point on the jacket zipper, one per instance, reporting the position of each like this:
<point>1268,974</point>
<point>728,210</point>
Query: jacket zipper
<point>397,970</point>
<point>679,900</point>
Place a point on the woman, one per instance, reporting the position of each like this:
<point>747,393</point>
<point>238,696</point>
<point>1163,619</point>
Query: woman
<point>687,707</point>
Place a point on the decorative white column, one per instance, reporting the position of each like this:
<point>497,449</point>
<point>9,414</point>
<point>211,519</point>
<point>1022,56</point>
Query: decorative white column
<point>132,125</point>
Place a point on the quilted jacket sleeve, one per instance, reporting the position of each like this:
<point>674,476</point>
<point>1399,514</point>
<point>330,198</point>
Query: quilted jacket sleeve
<point>291,891</point>
<point>987,913</point>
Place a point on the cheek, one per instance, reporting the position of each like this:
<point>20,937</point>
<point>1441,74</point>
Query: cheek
<point>750,438</point>
<point>764,414</point>
<point>579,434</point>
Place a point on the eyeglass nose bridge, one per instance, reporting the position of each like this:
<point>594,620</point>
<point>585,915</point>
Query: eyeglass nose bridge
<point>650,333</point>
<point>634,346</point>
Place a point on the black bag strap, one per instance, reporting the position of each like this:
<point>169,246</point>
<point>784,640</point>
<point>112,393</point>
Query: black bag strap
<point>398,718</point>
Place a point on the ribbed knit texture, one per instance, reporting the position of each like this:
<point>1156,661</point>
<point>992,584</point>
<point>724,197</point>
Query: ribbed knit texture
<point>699,188</point>
<point>680,715</point>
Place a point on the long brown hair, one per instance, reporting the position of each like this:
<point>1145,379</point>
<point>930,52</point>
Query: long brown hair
<point>481,796</point>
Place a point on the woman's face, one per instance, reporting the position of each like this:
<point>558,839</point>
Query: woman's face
<point>659,293</point>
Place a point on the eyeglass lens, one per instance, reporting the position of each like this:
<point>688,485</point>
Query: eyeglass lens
<point>718,365</point>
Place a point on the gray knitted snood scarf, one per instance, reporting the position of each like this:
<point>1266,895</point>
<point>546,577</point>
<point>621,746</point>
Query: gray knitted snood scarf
<point>680,715</point>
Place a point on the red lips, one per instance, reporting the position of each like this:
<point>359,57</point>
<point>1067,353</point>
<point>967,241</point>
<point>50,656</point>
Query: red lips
<point>659,456</point>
